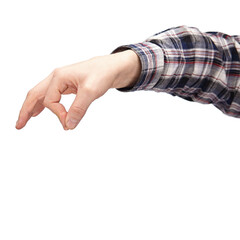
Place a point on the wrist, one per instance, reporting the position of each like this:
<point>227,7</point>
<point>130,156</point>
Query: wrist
<point>129,69</point>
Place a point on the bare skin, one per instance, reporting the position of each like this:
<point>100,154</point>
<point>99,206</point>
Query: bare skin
<point>89,80</point>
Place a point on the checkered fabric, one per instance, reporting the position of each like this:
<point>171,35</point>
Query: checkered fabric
<point>198,66</point>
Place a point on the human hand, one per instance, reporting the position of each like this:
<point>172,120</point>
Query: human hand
<point>89,80</point>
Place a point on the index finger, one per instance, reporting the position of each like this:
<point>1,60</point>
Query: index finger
<point>33,96</point>
<point>26,111</point>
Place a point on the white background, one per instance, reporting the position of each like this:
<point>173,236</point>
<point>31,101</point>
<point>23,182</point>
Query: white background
<point>140,165</point>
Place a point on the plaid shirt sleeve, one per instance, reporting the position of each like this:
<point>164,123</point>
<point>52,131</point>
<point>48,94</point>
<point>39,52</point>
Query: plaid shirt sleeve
<point>196,66</point>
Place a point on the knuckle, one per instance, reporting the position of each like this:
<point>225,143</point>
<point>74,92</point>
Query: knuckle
<point>57,73</point>
<point>33,94</point>
<point>90,90</point>
<point>30,93</point>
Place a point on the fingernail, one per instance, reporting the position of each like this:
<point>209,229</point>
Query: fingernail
<point>16,124</point>
<point>66,128</point>
<point>72,123</point>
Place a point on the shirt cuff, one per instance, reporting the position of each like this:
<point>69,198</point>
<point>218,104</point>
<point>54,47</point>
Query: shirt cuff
<point>152,61</point>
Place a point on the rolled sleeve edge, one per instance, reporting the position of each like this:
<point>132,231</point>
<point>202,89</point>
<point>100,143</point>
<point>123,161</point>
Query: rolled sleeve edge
<point>152,61</point>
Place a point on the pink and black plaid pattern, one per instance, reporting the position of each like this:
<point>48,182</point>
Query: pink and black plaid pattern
<point>196,66</point>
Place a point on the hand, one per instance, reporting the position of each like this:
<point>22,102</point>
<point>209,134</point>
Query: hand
<point>89,80</point>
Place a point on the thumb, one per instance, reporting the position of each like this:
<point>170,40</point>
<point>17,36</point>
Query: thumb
<point>78,108</point>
